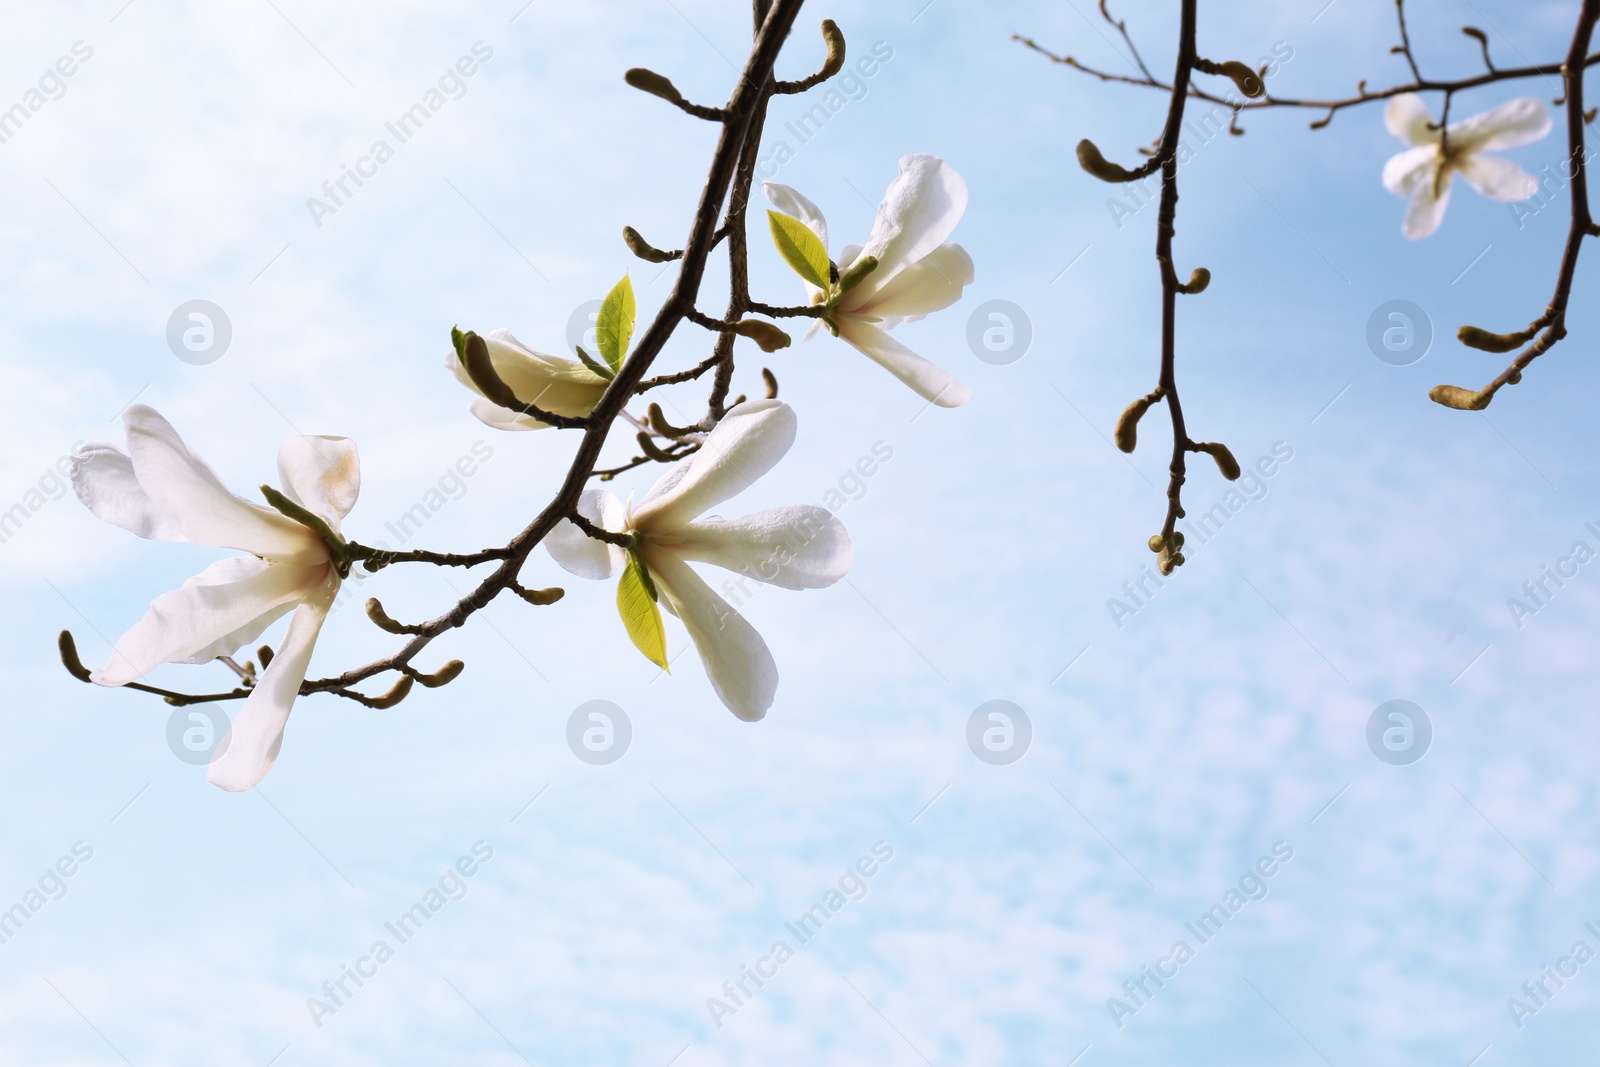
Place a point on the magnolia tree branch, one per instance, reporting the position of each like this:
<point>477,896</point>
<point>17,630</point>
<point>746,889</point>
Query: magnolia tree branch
<point>728,182</point>
<point>1544,332</point>
<point>1168,543</point>
<point>1553,322</point>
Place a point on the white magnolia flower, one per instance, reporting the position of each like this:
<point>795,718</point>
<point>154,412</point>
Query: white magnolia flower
<point>553,383</point>
<point>1424,172</point>
<point>798,547</point>
<point>161,490</point>
<point>917,273</point>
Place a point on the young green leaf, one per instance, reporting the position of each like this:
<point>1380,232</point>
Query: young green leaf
<point>595,365</point>
<point>614,328</point>
<point>458,341</point>
<point>802,249</point>
<point>641,615</point>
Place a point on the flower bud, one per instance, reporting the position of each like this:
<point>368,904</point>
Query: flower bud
<point>835,41</point>
<point>1127,431</point>
<point>1248,81</point>
<point>1225,461</point>
<point>1199,278</point>
<point>644,249</point>
<point>395,695</point>
<point>541,597</point>
<point>381,619</point>
<point>1474,337</point>
<point>655,84</point>
<point>1090,159</point>
<point>1453,396</point>
<point>443,676</point>
<point>763,333</point>
<point>856,273</point>
<point>1156,543</point>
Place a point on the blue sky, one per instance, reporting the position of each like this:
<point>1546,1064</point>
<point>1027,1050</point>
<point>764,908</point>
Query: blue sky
<point>1169,753</point>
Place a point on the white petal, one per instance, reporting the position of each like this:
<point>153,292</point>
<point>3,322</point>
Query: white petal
<point>1516,122</point>
<point>737,661</point>
<point>1426,211</point>
<point>1497,178</point>
<point>798,547</point>
<point>932,382</point>
<point>248,751</point>
<point>1408,118</point>
<point>581,554</point>
<point>103,478</point>
<point>180,484</point>
<point>1406,171</point>
<point>212,614</point>
<point>503,418</point>
<point>931,284</point>
<point>746,444</point>
<point>321,474</point>
<point>790,201</point>
<point>554,383</point>
<point>920,209</point>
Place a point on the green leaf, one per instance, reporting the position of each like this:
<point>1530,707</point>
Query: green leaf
<point>614,328</point>
<point>802,249</point>
<point>459,341</point>
<point>595,365</point>
<point>640,613</point>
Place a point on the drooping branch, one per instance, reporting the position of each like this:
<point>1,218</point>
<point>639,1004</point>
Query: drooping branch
<point>1553,323</point>
<point>728,182</point>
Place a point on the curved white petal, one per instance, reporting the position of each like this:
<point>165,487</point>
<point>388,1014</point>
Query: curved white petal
<point>212,614</point>
<point>802,546</point>
<point>248,751</point>
<point>847,256</point>
<point>746,444</point>
<point>321,474</point>
<point>931,284</point>
<point>182,485</point>
<point>1515,122</point>
<point>1497,178</point>
<point>920,209</point>
<point>102,477</point>
<point>1408,118</point>
<point>1426,211</point>
<point>581,554</point>
<point>1406,171</point>
<point>932,382</point>
<point>503,418</point>
<point>554,383</point>
<point>791,202</point>
<point>737,660</point>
